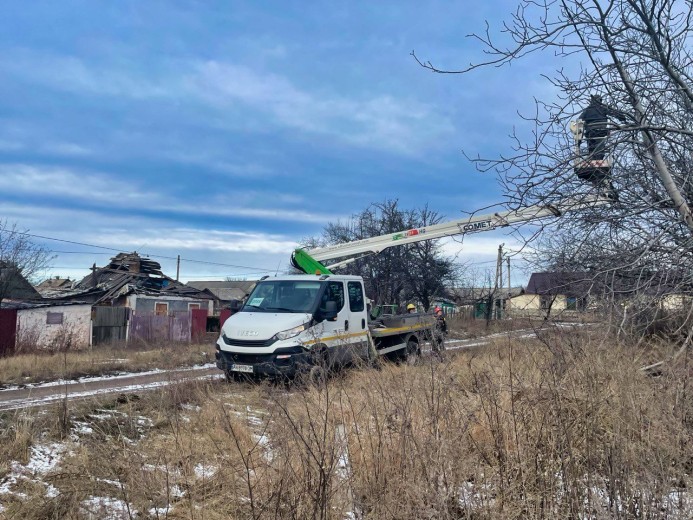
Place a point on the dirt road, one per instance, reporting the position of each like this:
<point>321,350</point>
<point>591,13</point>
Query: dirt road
<point>47,393</point>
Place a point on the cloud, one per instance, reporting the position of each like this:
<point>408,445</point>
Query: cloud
<point>207,240</point>
<point>241,252</point>
<point>71,74</point>
<point>100,188</point>
<point>249,98</point>
<point>381,122</point>
<point>65,149</point>
<point>28,179</point>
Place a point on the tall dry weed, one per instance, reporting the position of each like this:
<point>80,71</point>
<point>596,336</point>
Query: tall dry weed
<point>563,427</point>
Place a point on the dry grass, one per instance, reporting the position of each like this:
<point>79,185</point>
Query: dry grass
<point>462,327</point>
<point>48,366</point>
<point>566,427</point>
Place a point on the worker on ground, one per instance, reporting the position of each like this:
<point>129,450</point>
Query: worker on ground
<point>411,308</point>
<point>596,118</point>
<point>440,330</point>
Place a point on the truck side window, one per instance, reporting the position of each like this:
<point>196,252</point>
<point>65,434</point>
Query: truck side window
<point>334,292</point>
<point>355,296</point>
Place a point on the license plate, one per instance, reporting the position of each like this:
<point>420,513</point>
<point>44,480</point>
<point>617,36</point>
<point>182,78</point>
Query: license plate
<point>242,368</point>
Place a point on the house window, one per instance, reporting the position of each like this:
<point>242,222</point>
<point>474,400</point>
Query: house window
<point>192,306</point>
<point>161,309</point>
<point>571,303</point>
<point>54,318</point>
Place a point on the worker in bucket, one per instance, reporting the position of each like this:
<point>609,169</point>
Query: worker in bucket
<point>411,308</point>
<point>596,118</point>
<point>439,331</point>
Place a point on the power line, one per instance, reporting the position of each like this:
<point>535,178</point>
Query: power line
<point>78,252</point>
<point>257,269</point>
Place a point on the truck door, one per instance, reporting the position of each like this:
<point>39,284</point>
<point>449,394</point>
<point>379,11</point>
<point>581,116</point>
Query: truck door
<point>358,322</point>
<point>334,332</point>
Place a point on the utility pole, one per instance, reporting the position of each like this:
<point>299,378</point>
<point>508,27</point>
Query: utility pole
<point>93,275</point>
<point>499,281</point>
<point>177,268</point>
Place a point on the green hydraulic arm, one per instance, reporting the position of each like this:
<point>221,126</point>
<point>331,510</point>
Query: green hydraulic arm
<point>310,261</point>
<point>306,263</point>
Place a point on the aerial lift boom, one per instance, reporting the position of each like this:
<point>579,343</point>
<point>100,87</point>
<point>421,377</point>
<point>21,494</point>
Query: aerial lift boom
<point>310,261</point>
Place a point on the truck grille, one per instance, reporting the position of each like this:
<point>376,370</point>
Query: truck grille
<point>248,342</point>
<point>250,359</point>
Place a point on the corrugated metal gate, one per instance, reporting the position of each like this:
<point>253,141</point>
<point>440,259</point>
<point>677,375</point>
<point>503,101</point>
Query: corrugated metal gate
<point>8,330</point>
<point>224,315</point>
<point>149,327</point>
<point>109,324</point>
<point>198,324</point>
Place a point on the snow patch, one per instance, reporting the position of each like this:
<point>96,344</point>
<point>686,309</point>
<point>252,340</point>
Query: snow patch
<point>45,458</point>
<point>118,376</point>
<point>204,472</point>
<point>108,508</point>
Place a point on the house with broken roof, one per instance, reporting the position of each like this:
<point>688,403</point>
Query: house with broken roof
<point>132,297</point>
<point>128,299</point>
<point>132,281</point>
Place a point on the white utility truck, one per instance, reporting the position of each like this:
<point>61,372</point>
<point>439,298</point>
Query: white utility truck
<point>296,322</point>
<point>309,322</point>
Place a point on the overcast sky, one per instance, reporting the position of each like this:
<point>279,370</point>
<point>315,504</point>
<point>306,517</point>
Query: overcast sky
<point>226,132</point>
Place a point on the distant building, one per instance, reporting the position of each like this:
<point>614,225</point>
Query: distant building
<point>552,293</point>
<point>13,286</point>
<point>227,294</point>
<point>484,302</point>
<point>55,287</point>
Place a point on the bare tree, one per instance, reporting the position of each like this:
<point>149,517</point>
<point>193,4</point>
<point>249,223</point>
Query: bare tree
<point>21,260</point>
<point>413,272</point>
<point>636,55</point>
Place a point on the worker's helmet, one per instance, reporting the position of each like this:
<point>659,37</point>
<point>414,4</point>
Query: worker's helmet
<point>437,310</point>
<point>411,307</point>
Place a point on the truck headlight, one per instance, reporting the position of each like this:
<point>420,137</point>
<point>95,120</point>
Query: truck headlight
<point>290,333</point>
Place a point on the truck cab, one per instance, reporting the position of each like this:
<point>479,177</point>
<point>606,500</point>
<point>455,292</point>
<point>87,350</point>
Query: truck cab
<point>290,323</point>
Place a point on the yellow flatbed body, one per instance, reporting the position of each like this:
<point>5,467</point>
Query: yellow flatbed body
<point>402,324</point>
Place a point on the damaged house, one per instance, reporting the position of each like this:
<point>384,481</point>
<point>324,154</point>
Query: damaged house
<point>129,299</point>
<point>132,281</point>
<point>133,299</point>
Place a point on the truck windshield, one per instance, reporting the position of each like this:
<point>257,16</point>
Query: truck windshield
<point>283,296</point>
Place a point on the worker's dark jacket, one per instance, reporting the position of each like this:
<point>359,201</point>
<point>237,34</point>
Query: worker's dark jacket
<point>441,325</point>
<point>596,117</point>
